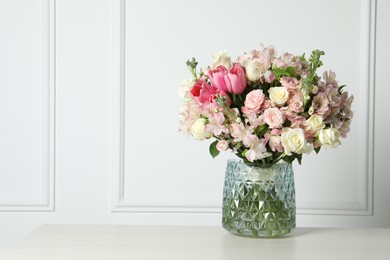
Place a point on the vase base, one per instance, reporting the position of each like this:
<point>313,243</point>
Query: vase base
<point>260,234</point>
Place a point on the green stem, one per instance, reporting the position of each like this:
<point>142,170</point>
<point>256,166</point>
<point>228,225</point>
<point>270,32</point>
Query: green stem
<point>280,157</point>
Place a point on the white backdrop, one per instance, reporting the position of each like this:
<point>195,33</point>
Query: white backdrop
<point>89,112</point>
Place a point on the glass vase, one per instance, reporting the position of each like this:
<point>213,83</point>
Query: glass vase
<point>258,201</point>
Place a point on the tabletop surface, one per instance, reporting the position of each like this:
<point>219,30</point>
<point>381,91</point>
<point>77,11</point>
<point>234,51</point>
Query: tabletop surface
<point>164,242</point>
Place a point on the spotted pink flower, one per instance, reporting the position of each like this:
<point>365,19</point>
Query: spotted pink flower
<point>290,83</point>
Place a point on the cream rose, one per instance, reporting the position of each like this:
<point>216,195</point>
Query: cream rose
<point>253,69</point>
<point>314,124</point>
<point>222,58</point>
<point>198,129</point>
<point>278,95</point>
<point>293,140</point>
<point>329,137</point>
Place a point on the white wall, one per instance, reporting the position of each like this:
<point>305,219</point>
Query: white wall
<point>117,66</point>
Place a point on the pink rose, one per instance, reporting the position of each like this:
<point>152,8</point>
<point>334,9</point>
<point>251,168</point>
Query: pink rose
<point>290,83</point>
<point>295,101</point>
<point>274,117</point>
<point>253,102</point>
<point>267,104</point>
<point>222,145</point>
<point>296,106</point>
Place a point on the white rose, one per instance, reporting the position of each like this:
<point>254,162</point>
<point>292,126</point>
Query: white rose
<point>222,58</point>
<point>198,129</point>
<point>329,137</point>
<point>253,69</point>
<point>184,88</point>
<point>314,123</point>
<point>278,95</point>
<point>293,140</point>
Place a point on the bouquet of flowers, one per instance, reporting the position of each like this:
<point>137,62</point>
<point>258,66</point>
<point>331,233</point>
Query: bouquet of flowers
<point>265,107</point>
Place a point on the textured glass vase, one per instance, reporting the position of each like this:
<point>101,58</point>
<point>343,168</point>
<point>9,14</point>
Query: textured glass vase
<point>258,201</point>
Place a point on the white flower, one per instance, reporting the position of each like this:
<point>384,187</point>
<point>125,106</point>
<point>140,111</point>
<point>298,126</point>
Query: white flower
<point>254,69</point>
<point>222,58</point>
<point>293,140</point>
<point>278,95</point>
<point>314,124</point>
<point>184,88</point>
<point>198,129</point>
<point>257,149</point>
<point>329,137</point>
<point>257,152</point>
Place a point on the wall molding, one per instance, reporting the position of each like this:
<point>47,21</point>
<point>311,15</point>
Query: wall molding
<point>364,204</point>
<point>45,201</point>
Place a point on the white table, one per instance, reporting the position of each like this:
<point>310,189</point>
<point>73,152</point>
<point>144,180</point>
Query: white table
<point>96,242</point>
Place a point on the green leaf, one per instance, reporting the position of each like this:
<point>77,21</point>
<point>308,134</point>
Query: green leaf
<point>289,159</point>
<point>282,72</point>
<point>315,63</point>
<point>290,71</point>
<point>213,149</point>
<point>261,130</point>
<point>287,123</point>
<point>317,149</point>
<point>341,88</point>
<point>239,155</point>
<point>244,152</point>
<point>299,158</point>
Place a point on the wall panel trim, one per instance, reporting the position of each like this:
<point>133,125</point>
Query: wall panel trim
<point>363,205</point>
<point>45,201</point>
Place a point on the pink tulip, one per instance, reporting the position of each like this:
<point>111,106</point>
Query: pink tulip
<point>235,80</point>
<point>203,92</point>
<point>217,78</point>
<point>206,92</point>
<point>232,81</point>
